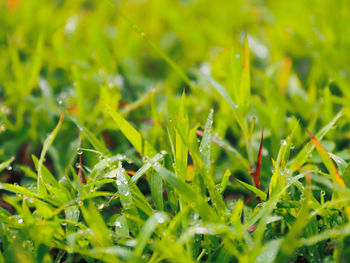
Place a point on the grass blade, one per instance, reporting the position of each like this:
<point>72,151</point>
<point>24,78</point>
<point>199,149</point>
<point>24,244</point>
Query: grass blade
<point>49,140</point>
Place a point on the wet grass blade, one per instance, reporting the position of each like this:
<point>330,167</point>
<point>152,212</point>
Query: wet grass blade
<point>99,146</point>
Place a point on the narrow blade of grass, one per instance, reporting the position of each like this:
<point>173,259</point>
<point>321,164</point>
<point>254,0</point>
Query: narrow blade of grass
<point>49,140</point>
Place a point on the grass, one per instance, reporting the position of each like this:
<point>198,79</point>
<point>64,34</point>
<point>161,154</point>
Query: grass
<point>174,131</point>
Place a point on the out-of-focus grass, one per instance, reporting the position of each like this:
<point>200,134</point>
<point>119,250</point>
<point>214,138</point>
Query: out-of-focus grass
<point>157,156</point>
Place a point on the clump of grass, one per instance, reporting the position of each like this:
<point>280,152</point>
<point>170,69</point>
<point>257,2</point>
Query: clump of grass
<point>172,164</point>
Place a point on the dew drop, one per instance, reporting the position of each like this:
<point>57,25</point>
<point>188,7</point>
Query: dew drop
<point>163,152</point>
<point>9,168</point>
<point>20,220</point>
<point>117,224</point>
<point>60,102</point>
<point>77,165</point>
<point>118,182</point>
<point>283,142</point>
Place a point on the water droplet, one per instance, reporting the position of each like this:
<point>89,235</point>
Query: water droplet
<point>79,152</point>
<point>100,157</point>
<point>283,142</point>
<point>117,224</point>
<point>118,182</point>
<point>20,220</point>
<point>9,168</point>
<point>163,152</point>
<point>126,193</point>
<point>60,102</point>
<point>77,165</point>
<point>292,146</point>
<point>144,159</point>
<point>160,220</point>
<point>80,203</point>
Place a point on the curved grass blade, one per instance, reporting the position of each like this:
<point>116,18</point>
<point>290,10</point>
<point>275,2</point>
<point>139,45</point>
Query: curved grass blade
<point>49,140</point>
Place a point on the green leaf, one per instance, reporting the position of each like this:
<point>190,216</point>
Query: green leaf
<point>346,175</point>
<point>147,230</point>
<point>181,149</point>
<point>49,140</point>
<point>199,205</point>
<point>304,154</point>
<point>144,168</point>
<point>134,137</point>
<point>204,148</point>
<point>99,146</point>
<point>6,164</point>
<point>252,188</point>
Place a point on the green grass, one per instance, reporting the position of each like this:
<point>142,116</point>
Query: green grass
<point>174,131</point>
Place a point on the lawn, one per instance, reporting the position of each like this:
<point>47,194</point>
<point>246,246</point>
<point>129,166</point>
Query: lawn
<point>174,131</point>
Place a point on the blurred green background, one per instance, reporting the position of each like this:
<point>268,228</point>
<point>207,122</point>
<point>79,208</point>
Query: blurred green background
<point>74,55</point>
